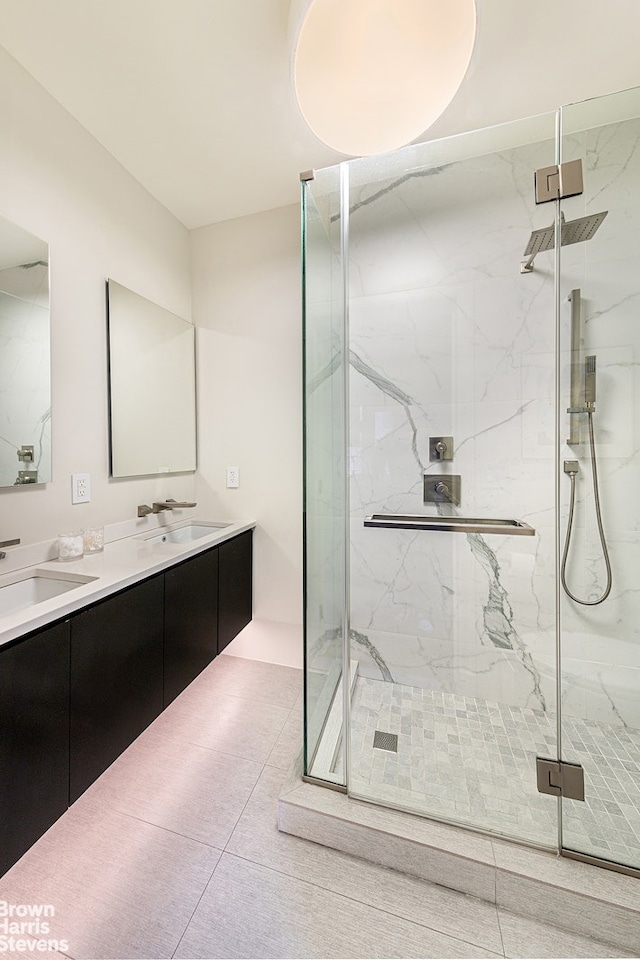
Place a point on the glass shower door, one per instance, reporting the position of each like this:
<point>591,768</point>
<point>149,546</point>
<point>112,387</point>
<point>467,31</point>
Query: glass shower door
<point>324,472</point>
<point>600,641</point>
<point>452,352</point>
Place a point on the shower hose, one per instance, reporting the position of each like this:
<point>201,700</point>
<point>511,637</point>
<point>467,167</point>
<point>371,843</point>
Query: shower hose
<point>603,542</point>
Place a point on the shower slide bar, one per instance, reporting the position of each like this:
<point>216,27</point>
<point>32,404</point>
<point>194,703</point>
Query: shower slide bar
<point>399,521</point>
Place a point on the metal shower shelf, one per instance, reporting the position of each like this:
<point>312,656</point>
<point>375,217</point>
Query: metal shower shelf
<point>400,521</point>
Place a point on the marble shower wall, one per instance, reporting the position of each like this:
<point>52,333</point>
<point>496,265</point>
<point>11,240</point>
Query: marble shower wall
<point>601,644</point>
<point>448,338</point>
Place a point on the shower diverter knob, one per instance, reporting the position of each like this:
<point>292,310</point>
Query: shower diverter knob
<point>440,448</point>
<point>441,489</point>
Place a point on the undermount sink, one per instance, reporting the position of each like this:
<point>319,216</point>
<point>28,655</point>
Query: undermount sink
<point>31,587</point>
<point>186,533</point>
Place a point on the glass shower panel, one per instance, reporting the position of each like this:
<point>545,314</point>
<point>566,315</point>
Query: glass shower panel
<point>600,648</point>
<point>453,632</point>
<point>324,475</point>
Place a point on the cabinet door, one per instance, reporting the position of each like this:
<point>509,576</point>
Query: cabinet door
<point>116,678</point>
<point>235,584</point>
<point>190,621</point>
<point>34,739</point>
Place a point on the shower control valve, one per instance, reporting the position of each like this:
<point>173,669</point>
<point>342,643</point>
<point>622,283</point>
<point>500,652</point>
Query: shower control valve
<point>440,448</point>
<point>441,489</point>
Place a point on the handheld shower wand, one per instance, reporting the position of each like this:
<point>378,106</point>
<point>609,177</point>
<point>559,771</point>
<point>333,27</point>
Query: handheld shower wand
<point>571,468</point>
<point>590,382</point>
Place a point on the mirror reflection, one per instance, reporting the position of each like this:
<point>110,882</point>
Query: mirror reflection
<point>152,387</point>
<point>25,358</point>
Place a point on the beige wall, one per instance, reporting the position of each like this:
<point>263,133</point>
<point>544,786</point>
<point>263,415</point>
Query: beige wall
<point>59,183</point>
<point>246,305</point>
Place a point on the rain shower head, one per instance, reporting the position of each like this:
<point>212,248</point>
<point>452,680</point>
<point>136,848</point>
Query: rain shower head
<point>572,231</point>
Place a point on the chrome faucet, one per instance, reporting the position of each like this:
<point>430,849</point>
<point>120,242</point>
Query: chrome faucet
<point>160,505</point>
<point>7,543</point>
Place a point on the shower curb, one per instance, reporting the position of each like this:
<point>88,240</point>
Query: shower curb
<point>568,894</point>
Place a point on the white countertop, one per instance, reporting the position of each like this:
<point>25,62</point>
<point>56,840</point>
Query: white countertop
<point>126,559</point>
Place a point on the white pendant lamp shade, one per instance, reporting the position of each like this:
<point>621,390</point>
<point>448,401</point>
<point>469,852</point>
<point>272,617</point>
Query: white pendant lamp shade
<point>372,75</point>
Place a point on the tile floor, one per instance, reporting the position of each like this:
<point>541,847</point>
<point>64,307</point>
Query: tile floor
<point>175,852</point>
<point>473,761</point>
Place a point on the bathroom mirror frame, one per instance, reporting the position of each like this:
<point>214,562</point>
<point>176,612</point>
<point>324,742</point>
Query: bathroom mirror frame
<point>152,387</point>
<point>25,358</point>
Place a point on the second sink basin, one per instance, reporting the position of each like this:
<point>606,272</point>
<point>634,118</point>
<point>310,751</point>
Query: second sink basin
<point>29,587</point>
<point>186,533</point>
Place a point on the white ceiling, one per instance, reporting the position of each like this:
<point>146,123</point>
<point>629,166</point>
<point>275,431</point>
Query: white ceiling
<point>193,97</point>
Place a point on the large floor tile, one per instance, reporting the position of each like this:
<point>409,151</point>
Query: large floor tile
<point>288,746</point>
<point>191,790</point>
<point>525,938</point>
<point>119,887</point>
<point>257,838</point>
<point>250,911</point>
<point>228,724</point>
<point>582,914</point>
<point>251,680</point>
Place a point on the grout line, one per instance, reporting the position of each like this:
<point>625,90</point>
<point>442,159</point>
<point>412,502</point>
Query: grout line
<point>498,918</point>
<point>193,912</point>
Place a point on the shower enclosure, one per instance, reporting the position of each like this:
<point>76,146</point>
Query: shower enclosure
<point>471,324</point>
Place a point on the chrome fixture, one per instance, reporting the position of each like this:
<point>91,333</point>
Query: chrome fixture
<point>26,476</point>
<point>440,448</point>
<point>559,778</point>
<point>25,453</point>
<point>398,521</point>
<point>169,504</point>
<point>7,543</point>
<point>571,231</point>
<point>558,181</point>
<point>575,394</point>
<point>441,489</point>
<point>583,400</point>
<point>590,382</point>
<point>571,469</point>
<point>160,505</point>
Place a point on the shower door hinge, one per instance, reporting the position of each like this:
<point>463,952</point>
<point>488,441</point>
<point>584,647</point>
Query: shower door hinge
<point>560,779</point>
<point>558,182</point>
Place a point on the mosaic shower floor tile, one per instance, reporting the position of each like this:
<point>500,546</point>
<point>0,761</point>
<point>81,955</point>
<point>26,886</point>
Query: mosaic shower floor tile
<point>472,761</point>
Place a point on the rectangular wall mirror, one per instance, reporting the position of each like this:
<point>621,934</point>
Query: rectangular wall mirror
<point>25,358</point>
<point>152,387</point>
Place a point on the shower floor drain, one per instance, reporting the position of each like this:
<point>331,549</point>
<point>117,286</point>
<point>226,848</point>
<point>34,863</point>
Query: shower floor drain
<point>385,741</point>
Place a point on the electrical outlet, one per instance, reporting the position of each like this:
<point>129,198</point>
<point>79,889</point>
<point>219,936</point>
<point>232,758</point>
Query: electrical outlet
<point>233,477</point>
<point>80,488</point>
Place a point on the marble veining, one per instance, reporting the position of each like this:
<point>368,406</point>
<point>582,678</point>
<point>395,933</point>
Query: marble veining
<point>446,337</point>
<point>498,614</point>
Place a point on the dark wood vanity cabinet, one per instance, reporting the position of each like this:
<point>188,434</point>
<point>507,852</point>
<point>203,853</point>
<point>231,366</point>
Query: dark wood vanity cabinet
<point>34,738</point>
<point>116,678</point>
<point>207,602</point>
<point>75,695</point>
<point>235,587</point>
<point>190,621</point>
